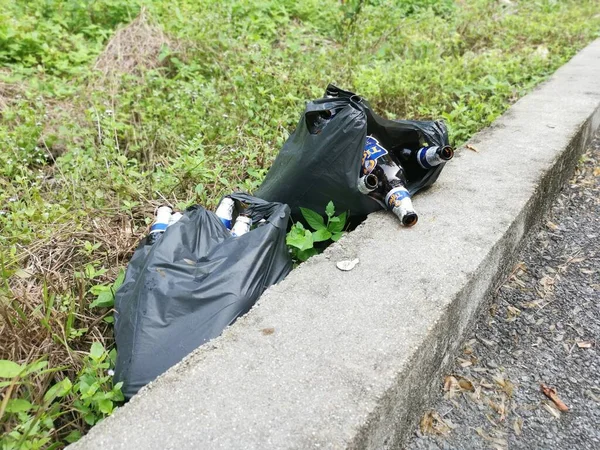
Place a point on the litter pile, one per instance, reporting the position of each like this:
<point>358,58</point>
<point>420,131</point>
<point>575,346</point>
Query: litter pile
<point>198,271</point>
<point>190,279</point>
<point>342,151</point>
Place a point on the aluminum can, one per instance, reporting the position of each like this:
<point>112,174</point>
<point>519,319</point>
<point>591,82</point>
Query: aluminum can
<point>225,211</point>
<point>241,226</point>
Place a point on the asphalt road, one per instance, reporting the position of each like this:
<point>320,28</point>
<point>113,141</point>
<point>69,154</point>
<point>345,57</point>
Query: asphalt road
<point>543,327</point>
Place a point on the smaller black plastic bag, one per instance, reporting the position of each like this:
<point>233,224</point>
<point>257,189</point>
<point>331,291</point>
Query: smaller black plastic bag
<point>321,160</point>
<point>191,284</point>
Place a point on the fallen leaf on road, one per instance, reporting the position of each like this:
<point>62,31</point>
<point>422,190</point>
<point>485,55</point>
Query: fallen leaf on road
<point>512,313</point>
<point>465,384</point>
<point>451,387</point>
<point>500,408</point>
<point>267,331</point>
<point>502,443</point>
<point>597,171</point>
<point>518,426</point>
<point>547,285</point>
<point>551,394</point>
<point>347,265</point>
<point>465,362</point>
<point>432,423</point>
<point>585,344</point>
<point>472,148</point>
<point>552,226</point>
<point>552,410</point>
<point>506,385</point>
<point>593,396</point>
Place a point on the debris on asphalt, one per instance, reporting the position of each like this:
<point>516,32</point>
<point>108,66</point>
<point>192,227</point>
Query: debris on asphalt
<point>552,340</point>
<point>552,395</point>
<point>433,423</point>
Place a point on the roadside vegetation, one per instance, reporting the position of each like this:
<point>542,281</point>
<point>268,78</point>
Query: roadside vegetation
<point>111,107</point>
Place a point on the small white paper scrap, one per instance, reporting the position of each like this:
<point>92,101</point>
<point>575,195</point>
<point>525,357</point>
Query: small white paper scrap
<point>347,265</point>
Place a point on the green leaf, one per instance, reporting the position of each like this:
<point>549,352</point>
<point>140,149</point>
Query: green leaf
<point>60,389</point>
<point>97,351</point>
<point>90,419</point>
<point>303,255</point>
<point>294,240</point>
<point>109,319</point>
<point>321,235</point>
<point>112,357</point>
<point>36,367</point>
<point>18,405</point>
<point>314,219</point>
<point>105,406</point>
<point>330,209</point>
<point>9,369</point>
<point>338,226</point>
<point>105,299</point>
<point>336,236</point>
<point>119,281</point>
<point>99,289</point>
<point>73,436</point>
<point>308,240</point>
<point>300,240</point>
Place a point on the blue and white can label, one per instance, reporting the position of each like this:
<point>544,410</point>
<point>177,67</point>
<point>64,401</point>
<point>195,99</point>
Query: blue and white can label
<point>225,212</point>
<point>161,222</point>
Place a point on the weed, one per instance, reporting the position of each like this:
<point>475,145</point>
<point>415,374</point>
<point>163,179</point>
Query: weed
<point>88,151</point>
<point>301,240</point>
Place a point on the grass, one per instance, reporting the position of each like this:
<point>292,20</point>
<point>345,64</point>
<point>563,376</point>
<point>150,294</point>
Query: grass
<point>107,112</point>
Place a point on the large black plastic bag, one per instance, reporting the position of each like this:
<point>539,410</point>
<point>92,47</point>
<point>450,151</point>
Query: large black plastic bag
<point>191,284</point>
<point>322,163</point>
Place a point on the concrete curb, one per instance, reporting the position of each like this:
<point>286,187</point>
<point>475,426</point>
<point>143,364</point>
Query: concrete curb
<point>333,359</point>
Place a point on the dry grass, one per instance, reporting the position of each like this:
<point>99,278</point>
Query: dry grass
<point>45,290</point>
<point>9,94</point>
<point>44,306</point>
<point>134,49</point>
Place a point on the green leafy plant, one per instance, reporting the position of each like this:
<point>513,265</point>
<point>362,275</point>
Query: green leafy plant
<point>83,153</point>
<point>95,395</point>
<point>106,292</point>
<point>301,240</point>
<point>34,424</point>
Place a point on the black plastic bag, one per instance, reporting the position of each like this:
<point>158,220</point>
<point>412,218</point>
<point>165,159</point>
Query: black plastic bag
<point>321,160</point>
<point>191,284</point>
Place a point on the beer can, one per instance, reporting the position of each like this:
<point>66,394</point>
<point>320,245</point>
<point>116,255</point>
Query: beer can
<point>241,226</point>
<point>174,218</point>
<point>225,211</point>
<point>161,220</point>
<point>160,224</point>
